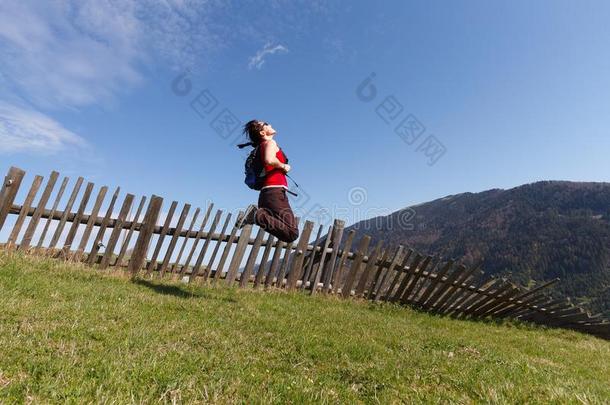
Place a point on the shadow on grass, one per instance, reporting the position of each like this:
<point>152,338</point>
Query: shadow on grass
<point>178,291</point>
<point>165,289</point>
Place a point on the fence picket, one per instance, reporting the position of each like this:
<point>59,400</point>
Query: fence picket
<point>89,227</point>
<point>247,272</point>
<point>152,265</point>
<point>320,268</point>
<point>132,227</point>
<point>312,256</point>
<point>97,242</point>
<point>365,278</point>
<point>225,252</point>
<point>205,246</point>
<point>208,269</point>
<point>44,198</point>
<point>388,273</point>
<point>362,249</point>
<point>45,230</point>
<point>296,267</point>
<point>64,217</point>
<point>260,272</point>
<point>116,231</point>
<point>240,249</point>
<point>138,257</point>
<point>76,221</point>
<point>25,208</point>
<point>197,239</point>
<point>174,239</point>
<point>10,187</point>
<point>337,235</point>
<point>273,268</point>
<point>174,268</point>
<point>338,272</point>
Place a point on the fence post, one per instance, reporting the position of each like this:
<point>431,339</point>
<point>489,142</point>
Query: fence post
<point>10,187</point>
<point>146,232</point>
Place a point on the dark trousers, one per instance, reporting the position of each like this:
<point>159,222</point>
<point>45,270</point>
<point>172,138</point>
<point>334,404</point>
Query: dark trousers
<point>275,216</point>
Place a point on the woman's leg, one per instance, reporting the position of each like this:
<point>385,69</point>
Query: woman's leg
<point>275,216</point>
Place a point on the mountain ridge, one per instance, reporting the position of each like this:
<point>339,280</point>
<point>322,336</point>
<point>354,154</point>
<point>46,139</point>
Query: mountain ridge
<point>532,233</point>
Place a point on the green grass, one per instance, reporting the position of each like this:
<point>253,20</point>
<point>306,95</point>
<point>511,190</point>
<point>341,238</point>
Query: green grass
<point>72,334</point>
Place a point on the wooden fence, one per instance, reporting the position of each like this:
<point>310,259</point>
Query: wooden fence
<point>200,246</point>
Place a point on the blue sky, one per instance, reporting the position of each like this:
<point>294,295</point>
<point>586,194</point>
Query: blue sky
<point>501,94</point>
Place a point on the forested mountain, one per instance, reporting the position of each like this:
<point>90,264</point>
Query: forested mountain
<point>531,233</point>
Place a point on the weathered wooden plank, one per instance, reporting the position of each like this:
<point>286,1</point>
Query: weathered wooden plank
<point>240,249</point>
<point>273,268</point>
<point>425,277</point>
<point>132,227</point>
<point>44,198</point>
<point>321,264</point>
<point>116,231</point>
<point>407,272</point>
<point>76,221</point>
<point>197,239</point>
<point>337,235</point>
<point>166,224</point>
<point>97,242</point>
<point>89,227</point>
<point>174,239</point>
<point>296,266</point>
<point>484,296</point>
<point>285,262</point>
<point>361,251</point>
<point>208,269</point>
<point>370,294</point>
<point>24,211</point>
<point>437,298</point>
<point>138,256</point>
<point>417,272</point>
<point>247,272</point>
<point>382,284</point>
<point>260,272</point>
<point>516,301</point>
<point>58,197</point>
<point>434,283</point>
<point>206,244</point>
<point>496,298</point>
<point>184,242</point>
<point>279,283</point>
<point>402,270</point>
<point>365,278</point>
<point>513,292</point>
<point>67,209</point>
<point>226,251</point>
<point>338,273</point>
<point>525,305</point>
<point>10,187</point>
<point>467,286</point>
<point>312,257</point>
<point>452,294</point>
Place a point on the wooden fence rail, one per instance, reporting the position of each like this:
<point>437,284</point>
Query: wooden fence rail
<point>157,243</point>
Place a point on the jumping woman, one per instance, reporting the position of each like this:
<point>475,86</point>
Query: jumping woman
<point>273,214</point>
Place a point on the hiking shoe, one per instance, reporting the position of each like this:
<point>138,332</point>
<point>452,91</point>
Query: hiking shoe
<point>247,217</point>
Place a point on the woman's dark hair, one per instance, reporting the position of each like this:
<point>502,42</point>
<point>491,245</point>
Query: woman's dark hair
<point>252,130</point>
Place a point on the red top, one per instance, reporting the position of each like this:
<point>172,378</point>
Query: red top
<point>275,176</point>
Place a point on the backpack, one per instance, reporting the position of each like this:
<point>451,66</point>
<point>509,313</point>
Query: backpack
<point>254,169</point>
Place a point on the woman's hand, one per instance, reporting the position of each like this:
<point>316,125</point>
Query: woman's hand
<point>286,167</point>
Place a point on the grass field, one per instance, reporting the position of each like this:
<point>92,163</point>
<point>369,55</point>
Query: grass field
<point>72,334</point>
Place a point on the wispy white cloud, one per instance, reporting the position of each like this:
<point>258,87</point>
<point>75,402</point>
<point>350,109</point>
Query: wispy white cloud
<point>26,130</point>
<point>69,54</point>
<point>257,61</point>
